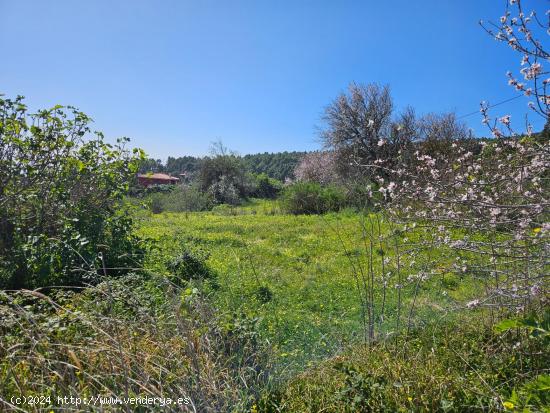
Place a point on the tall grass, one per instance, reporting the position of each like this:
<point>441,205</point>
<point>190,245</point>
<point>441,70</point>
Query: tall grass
<point>138,336</point>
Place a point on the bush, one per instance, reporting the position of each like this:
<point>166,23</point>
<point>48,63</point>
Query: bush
<point>183,199</point>
<point>157,203</point>
<point>312,198</point>
<point>362,195</point>
<point>60,196</point>
<point>458,367</point>
<point>266,187</point>
<point>191,265</point>
<point>225,191</point>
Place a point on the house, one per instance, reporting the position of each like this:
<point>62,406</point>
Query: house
<point>156,179</point>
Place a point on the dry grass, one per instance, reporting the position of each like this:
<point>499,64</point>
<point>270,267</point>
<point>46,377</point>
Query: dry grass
<point>139,336</point>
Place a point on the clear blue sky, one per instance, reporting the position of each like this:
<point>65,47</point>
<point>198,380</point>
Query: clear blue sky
<point>175,75</point>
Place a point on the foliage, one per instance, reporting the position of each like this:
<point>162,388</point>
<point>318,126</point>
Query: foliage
<point>147,165</point>
<point>460,367</point>
<point>223,176</point>
<point>156,203</point>
<point>266,187</point>
<point>312,198</point>
<point>280,165</point>
<point>187,165</point>
<point>190,265</point>
<point>60,189</point>
<point>186,198</point>
<point>138,336</point>
<point>225,191</point>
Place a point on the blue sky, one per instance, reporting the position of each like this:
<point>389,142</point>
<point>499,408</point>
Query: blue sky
<point>176,75</point>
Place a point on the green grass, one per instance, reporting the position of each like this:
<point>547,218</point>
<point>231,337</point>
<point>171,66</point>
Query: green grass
<point>306,262</point>
<point>455,367</point>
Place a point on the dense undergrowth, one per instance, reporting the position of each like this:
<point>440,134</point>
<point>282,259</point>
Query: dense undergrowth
<point>297,274</point>
<point>239,309</point>
<point>136,336</point>
<point>456,366</point>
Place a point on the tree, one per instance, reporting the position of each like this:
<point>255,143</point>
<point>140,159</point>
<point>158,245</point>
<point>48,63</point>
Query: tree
<point>151,165</point>
<point>60,189</point>
<point>522,30</point>
<point>317,167</point>
<point>279,166</point>
<point>361,128</point>
<point>223,174</point>
<point>438,131</point>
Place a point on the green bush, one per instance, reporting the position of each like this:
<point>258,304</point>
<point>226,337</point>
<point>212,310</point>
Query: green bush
<point>61,189</point>
<point>183,199</point>
<point>266,187</point>
<point>362,195</point>
<point>190,265</point>
<point>312,198</point>
<point>157,203</point>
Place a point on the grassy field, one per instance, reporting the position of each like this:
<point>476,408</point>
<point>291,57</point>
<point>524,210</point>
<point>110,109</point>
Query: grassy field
<point>276,323</point>
<point>295,274</point>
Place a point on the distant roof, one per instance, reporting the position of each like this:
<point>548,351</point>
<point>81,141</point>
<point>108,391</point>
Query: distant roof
<point>158,176</point>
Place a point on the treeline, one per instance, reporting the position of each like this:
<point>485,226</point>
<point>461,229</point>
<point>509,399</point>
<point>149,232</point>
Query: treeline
<point>278,165</point>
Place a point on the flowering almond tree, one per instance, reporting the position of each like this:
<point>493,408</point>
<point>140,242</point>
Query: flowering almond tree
<point>523,30</point>
<point>484,204</point>
<point>489,212</point>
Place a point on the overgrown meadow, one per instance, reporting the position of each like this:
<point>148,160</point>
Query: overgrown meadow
<point>295,275</point>
<point>403,267</point>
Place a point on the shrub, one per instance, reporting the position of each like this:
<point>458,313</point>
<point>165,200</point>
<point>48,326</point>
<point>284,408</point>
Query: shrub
<point>224,191</point>
<point>60,195</point>
<point>312,198</point>
<point>190,265</point>
<point>362,195</point>
<point>266,187</point>
<point>461,367</point>
<point>190,198</point>
<point>157,203</point>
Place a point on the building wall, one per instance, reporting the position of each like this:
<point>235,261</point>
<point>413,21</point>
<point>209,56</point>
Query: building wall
<point>144,181</point>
